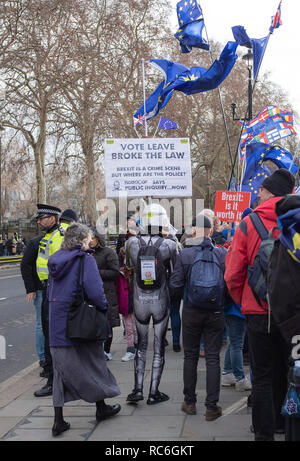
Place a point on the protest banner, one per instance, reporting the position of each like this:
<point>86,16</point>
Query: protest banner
<point>229,206</point>
<point>148,167</point>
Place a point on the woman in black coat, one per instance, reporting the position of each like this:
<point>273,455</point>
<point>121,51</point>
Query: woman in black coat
<point>108,265</point>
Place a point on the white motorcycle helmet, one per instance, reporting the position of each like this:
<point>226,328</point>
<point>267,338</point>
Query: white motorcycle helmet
<point>155,215</point>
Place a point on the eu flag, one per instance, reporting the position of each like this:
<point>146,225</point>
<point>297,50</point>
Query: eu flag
<point>167,124</point>
<point>189,81</point>
<point>289,224</point>
<point>188,11</point>
<point>258,153</point>
<point>191,25</point>
<point>258,46</point>
<point>190,36</point>
<point>252,184</point>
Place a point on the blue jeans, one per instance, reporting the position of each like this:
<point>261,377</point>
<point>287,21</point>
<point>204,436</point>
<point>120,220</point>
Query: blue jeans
<point>175,320</point>
<point>39,335</point>
<point>236,329</point>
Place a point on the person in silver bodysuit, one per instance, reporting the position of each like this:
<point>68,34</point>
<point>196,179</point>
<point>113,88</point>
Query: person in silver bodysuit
<point>151,304</point>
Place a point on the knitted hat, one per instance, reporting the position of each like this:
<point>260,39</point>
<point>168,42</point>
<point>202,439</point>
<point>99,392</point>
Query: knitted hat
<point>69,215</point>
<point>202,221</point>
<point>280,183</point>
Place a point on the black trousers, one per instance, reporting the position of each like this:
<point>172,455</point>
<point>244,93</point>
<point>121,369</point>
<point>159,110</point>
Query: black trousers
<point>209,326</point>
<point>45,327</point>
<point>269,365</point>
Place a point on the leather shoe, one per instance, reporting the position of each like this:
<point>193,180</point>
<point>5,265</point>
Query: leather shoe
<point>212,414</point>
<point>107,412</point>
<point>58,428</point>
<point>44,391</point>
<point>189,408</point>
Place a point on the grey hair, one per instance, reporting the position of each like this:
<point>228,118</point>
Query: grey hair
<point>76,235</point>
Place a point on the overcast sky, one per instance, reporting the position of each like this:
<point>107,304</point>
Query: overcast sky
<point>282,55</point>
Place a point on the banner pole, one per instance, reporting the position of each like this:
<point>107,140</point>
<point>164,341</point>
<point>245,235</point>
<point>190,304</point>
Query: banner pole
<point>144,92</point>
<point>247,112</point>
<point>220,98</point>
<point>157,127</point>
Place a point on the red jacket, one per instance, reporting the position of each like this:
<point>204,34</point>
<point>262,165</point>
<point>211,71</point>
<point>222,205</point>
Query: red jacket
<point>241,254</point>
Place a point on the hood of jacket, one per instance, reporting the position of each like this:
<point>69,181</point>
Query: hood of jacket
<point>62,261</point>
<point>266,210</point>
<point>288,211</point>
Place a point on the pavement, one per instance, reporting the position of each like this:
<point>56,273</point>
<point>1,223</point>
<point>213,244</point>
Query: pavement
<point>24,417</point>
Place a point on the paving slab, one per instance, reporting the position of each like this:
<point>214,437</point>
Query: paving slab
<point>25,417</point>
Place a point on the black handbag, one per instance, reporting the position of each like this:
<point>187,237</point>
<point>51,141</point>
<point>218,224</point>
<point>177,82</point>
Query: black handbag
<point>85,321</point>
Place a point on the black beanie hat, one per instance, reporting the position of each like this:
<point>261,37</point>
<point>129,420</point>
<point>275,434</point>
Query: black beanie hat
<point>201,221</point>
<point>69,215</point>
<point>280,183</point>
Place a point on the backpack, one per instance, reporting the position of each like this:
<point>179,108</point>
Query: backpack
<point>257,274</point>
<point>205,284</point>
<point>150,271</point>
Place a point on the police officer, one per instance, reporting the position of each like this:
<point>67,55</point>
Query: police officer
<point>48,221</point>
<point>67,217</point>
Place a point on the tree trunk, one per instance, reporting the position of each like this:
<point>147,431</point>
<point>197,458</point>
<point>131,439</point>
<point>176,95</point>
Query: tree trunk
<point>90,189</point>
<point>39,155</point>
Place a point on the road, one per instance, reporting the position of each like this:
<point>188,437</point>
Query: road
<point>17,323</point>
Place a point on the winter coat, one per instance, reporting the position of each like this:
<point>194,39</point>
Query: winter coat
<point>108,266</point>
<point>241,254</point>
<point>284,271</point>
<point>28,266</point>
<point>182,267</point>
<point>64,285</point>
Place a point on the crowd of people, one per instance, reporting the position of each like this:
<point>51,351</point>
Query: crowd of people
<point>198,284</point>
<point>12,245</point>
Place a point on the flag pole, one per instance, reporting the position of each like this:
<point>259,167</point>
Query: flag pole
<point>157,127</point>
<point>144,91</point>
<point>220,98</point>
<point>247,112</point>
<point>253,87</point>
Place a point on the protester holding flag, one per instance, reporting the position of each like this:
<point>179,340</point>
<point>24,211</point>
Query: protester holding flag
<point>268,351</point>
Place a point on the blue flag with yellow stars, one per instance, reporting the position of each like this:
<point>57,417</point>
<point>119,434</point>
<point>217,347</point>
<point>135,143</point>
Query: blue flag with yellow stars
<point>191,26</point>
<point>167,124</point>
<point>189,81</point>
<point>290,232</point>
<point>258,46</point>
<point>289,225</point>
<point>252,184</point>
<point>257,153</point>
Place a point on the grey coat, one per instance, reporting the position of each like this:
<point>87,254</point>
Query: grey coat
<point>150,300</point>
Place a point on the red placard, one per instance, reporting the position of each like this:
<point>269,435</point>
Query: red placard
<point>229,205</point>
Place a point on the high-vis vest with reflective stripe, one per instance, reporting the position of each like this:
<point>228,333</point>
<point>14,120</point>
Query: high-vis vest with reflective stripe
<point>49,244</point>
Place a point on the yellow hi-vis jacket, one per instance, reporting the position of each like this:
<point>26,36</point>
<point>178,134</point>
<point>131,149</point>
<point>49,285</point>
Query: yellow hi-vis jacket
<point>49,244</point>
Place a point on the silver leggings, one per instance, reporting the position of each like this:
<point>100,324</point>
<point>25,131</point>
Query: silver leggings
<point>160,318</point>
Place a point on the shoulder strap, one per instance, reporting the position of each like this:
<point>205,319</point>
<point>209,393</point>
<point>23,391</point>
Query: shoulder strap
<point>158,242</point>
<point>259,226</point>
<point>81,274</point>
<point>142,242</point>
